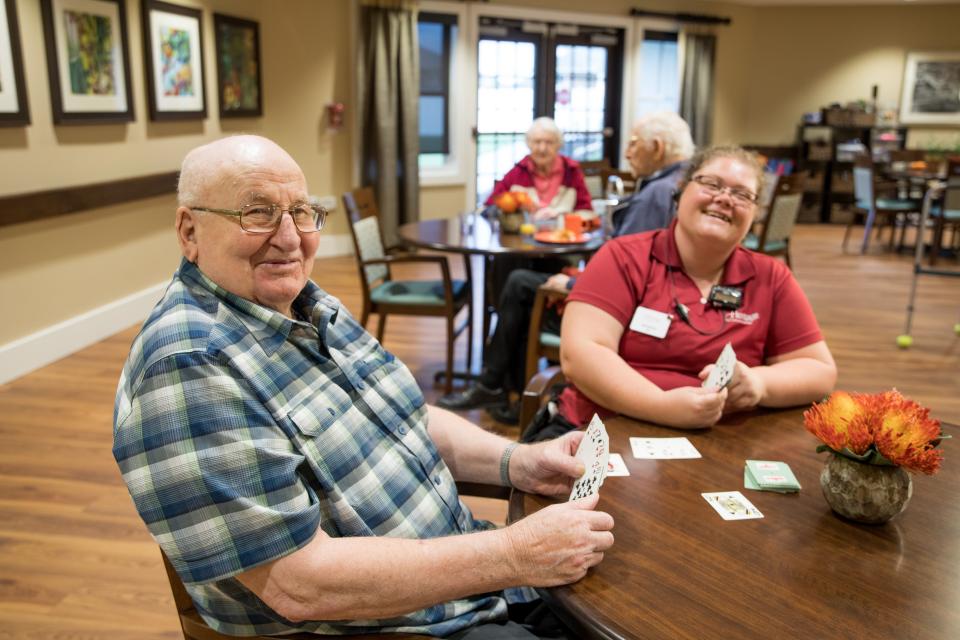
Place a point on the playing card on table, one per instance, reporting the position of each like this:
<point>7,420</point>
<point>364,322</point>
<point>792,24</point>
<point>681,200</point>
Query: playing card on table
<point>616,466</point>
<point>663,448</point>
<point>594,453</point>
<point>722,371</point>
<point>732,505</point>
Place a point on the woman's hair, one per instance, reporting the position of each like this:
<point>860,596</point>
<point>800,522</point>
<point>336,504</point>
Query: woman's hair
<point>547,125</point>
<point>710,154</point>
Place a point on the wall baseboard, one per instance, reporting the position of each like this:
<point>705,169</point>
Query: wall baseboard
<point>52,343</point>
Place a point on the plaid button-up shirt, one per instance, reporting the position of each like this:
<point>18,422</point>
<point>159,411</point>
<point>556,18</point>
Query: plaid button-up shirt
<point>239,432</point>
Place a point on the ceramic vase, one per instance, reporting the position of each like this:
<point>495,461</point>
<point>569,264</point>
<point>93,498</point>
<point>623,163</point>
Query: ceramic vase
<point>866,493</point>
<point>510,222</point>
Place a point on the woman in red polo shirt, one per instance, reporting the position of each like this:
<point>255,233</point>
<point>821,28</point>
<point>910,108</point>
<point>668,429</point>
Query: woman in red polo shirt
<point>652,312</point>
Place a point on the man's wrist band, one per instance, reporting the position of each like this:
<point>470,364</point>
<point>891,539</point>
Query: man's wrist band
<point>505,464</point>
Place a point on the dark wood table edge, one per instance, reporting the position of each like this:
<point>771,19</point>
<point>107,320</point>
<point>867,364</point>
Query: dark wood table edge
<point>569,611</point>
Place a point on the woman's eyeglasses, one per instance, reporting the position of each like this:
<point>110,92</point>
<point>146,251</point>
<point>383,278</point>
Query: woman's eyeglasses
<point>713,186</point>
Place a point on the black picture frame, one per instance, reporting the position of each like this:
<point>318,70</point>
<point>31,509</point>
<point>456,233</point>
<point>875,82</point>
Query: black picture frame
<point>166,102</point>
<point>14,108</point>
<point>88,98</point>
<point>239,90</point>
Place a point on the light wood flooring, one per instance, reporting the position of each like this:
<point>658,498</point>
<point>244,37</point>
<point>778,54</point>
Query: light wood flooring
<point>77,563</point>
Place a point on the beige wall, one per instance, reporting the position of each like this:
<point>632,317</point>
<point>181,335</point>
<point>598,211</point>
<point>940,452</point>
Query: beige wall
<point>773,64</point>
<point>54,269</point>
<point>802,58</point>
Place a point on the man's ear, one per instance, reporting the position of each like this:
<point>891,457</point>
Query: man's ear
<point>186,225</point>
<point>658,150</point>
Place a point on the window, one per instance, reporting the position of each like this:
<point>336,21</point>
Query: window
<point>659,74</point>
<point>436,33</point>
<point>527,69</point>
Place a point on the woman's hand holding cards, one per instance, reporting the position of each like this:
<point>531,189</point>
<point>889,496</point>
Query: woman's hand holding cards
<point>746,389</point>
<point>691,407</point>
<point>559,543</point>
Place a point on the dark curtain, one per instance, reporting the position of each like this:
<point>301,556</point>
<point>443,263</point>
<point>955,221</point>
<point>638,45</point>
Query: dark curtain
<point>389,93</point>
<point>696,93</point>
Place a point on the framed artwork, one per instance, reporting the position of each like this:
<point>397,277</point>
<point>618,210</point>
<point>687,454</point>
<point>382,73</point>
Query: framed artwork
<point>87,61</point>
<point>931,88</point>
<point>13,92</point>
<point>173,55</point>
<point>238,66</point>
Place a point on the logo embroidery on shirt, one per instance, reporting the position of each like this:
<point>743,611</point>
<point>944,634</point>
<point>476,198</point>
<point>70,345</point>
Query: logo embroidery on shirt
<point>742,318</point>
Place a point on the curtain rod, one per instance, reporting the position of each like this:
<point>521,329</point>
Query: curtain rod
<point>681,17</point>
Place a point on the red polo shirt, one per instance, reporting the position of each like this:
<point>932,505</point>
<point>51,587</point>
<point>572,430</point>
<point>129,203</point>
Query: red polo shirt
<point>644,270</point>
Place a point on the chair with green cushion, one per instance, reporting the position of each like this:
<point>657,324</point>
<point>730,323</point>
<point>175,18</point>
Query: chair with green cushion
<point>782,212</point>
<point>946,213</point>
<point>872,209</point>
<point>541,343</point>
<point>383,295</point>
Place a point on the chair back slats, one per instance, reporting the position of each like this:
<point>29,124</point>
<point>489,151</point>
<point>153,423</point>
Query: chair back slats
<point>592,176</point>
<point>369,246</point>
<point>863,186</point>
<point>364,215</point>
<point>784,209</point>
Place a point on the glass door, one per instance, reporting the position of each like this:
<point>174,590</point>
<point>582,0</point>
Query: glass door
<point>529,69</point>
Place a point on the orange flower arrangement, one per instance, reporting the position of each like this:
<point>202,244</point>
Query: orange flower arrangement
<point>880,428</point>
<point>510,201</point>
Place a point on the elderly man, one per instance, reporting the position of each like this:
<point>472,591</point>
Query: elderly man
<point>287,464</point>
<point>659,148</point>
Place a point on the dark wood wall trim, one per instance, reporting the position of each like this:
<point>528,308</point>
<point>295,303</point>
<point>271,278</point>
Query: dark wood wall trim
<point>28,207</point>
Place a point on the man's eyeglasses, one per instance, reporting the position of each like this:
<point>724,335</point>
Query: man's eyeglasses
<point>713,186</point>
<point>265,218</point>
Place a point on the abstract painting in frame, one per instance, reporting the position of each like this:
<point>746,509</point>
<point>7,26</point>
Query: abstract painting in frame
<point>238,66</point>
<point>173,53</point>
<point>931,88</point>
<point>88,61</point>
<point>13,92</point>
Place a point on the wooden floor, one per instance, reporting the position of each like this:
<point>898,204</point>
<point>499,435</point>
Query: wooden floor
<point>77,563</point>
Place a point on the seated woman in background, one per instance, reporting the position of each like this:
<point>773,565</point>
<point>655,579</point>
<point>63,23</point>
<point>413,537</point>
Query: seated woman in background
<point>554,182</point>
<point>645,323</point>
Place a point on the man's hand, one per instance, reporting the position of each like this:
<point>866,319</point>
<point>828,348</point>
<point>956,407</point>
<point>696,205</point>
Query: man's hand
<point>559,543</point>
<point>745,391</point>
<point>548,468</point>
<point>557,281</point>
<point>692,407</point>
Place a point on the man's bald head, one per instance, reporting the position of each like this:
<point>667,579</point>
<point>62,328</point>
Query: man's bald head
<point>217,164</point>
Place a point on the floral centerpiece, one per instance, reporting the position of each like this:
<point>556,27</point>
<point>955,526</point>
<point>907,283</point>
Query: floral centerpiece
<point>874,438</point>
<point>512,204</point>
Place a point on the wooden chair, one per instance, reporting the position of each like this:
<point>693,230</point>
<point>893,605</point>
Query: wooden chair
<point>592,176</point>
<point>617,184</point>
<point>383,295</point>
<point>871,209</point>
<point>194,627</point>
<point>536,394</point>
<point>946,213</point>
<point>541,343</point>
<point>774,239</point>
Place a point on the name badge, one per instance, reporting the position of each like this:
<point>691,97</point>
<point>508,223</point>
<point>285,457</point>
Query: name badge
<point>650,322</point>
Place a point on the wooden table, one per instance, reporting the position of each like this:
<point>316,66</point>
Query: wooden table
<point>474,235</point>
<point>677,570</point>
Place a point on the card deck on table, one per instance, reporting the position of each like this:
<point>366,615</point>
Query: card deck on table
<point>663,448</point>
<point>732,505</point>
<point>616,466</point>
<point>769,475</point>
<point>594,453</point>
<point>722,371</point>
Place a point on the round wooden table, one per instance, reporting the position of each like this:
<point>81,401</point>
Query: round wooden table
<point>678,570</point>
<point>474,234</point>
